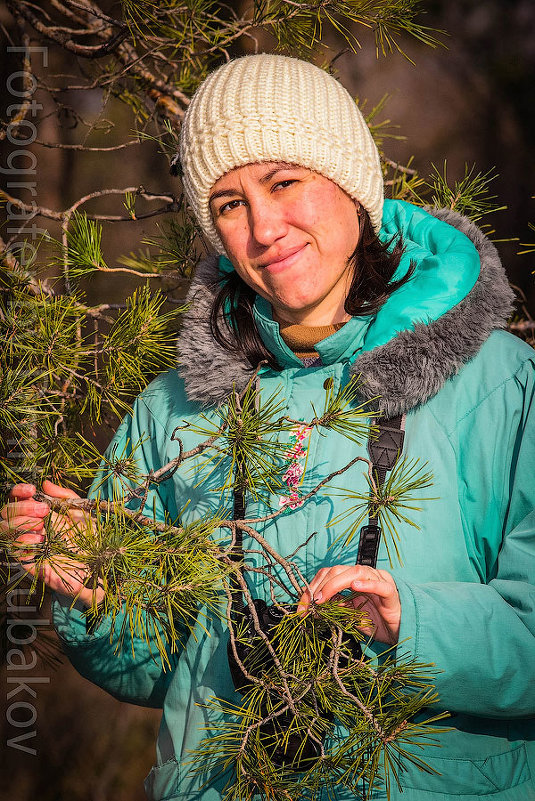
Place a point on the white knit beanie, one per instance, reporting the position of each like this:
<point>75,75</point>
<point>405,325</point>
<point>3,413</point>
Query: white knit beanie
<point>274,108</point>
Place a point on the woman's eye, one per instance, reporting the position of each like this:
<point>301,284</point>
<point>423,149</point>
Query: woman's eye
<point>284,184</point>
<point>232,204</point>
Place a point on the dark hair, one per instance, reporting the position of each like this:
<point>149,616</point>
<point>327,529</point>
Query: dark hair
<point>374,263</point>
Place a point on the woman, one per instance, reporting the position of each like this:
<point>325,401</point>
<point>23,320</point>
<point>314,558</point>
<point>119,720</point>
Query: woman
<point>317,277</point>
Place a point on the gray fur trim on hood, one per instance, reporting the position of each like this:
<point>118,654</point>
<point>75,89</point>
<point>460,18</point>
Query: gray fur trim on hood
<point>404,372</point>
<point>209,371</point>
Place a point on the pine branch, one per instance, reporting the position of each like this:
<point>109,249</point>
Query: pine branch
<point>25,106</point>
<point>469,196</point>
<point>62,38</point>
<point>86,148</point>
<point>42,211</point>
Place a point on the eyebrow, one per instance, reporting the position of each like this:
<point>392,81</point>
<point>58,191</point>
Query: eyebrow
<point>281,167</point>
<point>222,193</point>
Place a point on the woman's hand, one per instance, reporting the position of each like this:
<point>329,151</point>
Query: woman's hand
<point>23,518</point>
<point>378,597</point>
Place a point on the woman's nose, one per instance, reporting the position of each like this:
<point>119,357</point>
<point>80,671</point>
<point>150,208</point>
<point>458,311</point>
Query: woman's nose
<point>267,222</point>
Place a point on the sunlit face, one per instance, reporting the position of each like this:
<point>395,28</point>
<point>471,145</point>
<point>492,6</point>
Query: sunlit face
<point>289,233</point>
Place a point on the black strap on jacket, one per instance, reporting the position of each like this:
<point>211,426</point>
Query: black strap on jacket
<point>384,451</point>
<point>238,513</point>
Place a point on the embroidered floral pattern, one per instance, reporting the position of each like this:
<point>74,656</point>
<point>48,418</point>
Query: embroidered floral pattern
<point>295,470</point>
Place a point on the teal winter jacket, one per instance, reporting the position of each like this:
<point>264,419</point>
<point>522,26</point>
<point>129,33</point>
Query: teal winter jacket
<point>466,576</point>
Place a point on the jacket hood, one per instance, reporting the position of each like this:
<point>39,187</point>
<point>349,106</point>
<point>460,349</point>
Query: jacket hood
<point>423,335</point>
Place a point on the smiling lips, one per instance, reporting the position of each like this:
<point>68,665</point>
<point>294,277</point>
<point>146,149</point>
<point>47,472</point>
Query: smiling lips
<point>283,260</point>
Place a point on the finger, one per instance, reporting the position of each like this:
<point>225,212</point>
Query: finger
<point>379,587</point>
<point>26,549</point>
<point>66,581</point>
<point>372,586</point>
<point>22,491</point>
<point>308,594</point>
<point>63,493</point>
<point>366,574</point>
<point>67,577</point>
<point>341,579</point>
<point>334,583</point>
<point>29,508</point>
<point>67,526</point>
<point>326,574</point>
<point>21,524</point>
<point>27,544</point>
<point>323,576</point>
<point>318,579</point>
<point>30,538</point>
<point>55,491</point>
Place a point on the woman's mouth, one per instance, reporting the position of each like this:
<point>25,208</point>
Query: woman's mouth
<point>284,259</point>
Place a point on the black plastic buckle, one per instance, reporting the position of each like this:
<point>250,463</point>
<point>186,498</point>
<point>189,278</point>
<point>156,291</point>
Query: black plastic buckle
<point>370,536</point>
<point>385,448</point>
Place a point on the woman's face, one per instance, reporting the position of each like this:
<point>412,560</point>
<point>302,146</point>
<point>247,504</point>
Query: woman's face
<point>289,233</point>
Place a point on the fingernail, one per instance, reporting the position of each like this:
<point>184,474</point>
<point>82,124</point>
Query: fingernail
<point>318,596</point>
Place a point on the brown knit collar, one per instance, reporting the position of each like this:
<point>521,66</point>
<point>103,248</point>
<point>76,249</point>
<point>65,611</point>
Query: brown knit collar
<point>302,338</point>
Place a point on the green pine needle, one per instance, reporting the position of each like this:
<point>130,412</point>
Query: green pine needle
<point>528,248</point>
<point>344,411</point>
<point>469,195</point>
<point>172,251</point>
<point>250,447</point>
<point>82,255</point>
<point>375,705</point>
<point>388,503</point>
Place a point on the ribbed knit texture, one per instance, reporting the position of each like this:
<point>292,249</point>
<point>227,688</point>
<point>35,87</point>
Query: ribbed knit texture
<point>274,108</point>
<point>302,338</point>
